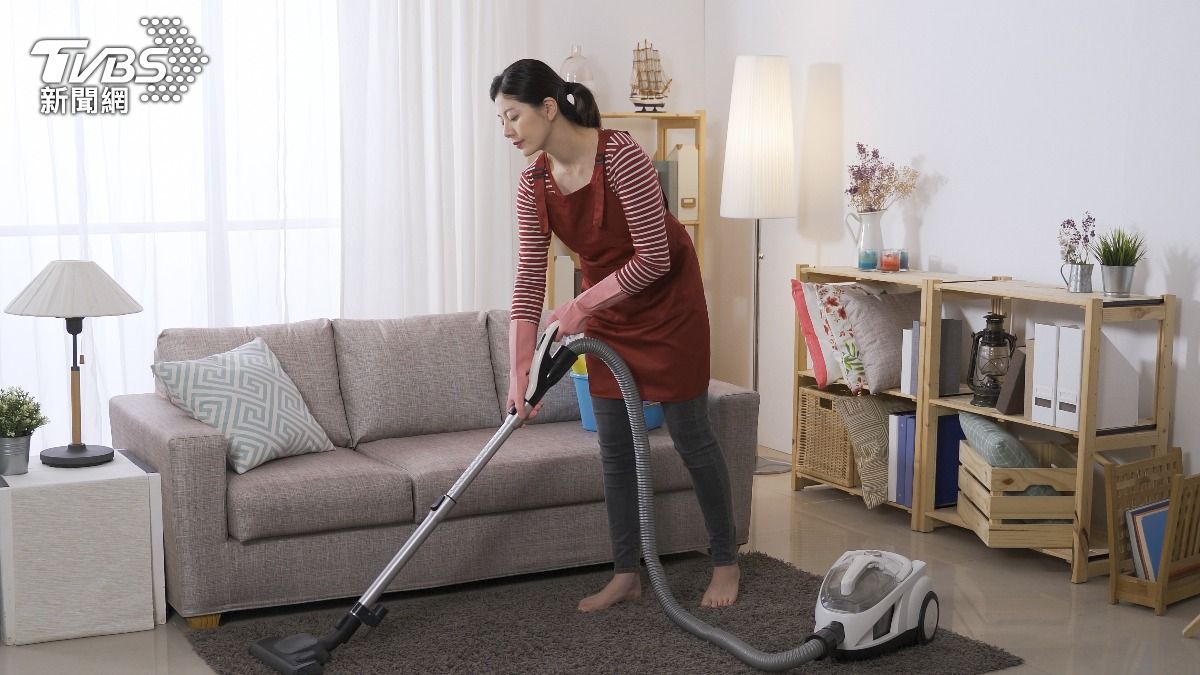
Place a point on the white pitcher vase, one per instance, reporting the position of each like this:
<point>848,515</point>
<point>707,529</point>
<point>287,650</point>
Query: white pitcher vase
<point>869,236</point>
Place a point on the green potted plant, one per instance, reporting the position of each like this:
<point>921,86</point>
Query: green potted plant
<point>20,416</point>
<point>1118,252</point>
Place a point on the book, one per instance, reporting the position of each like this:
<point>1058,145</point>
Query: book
<point>668,178</point>
<point>951,374</point>
<point>910,351</point>
<point>893,455</point>
<point>1012,392</point>
<point>1147,527</point>
<point>950,433</point>
<point>904,473</point>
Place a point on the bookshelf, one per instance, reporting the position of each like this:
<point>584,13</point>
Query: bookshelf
<point>1087,553</point>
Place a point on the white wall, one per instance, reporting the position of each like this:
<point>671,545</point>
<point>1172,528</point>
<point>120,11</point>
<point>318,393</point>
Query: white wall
<point>1019,115</point>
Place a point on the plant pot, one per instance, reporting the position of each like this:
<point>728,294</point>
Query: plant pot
<point>1117,280</point>
<point>14,455</point>
<point>1077,277</point>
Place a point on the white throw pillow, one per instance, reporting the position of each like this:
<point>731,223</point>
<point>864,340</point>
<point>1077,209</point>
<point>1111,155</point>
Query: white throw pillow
<point>245,394</point>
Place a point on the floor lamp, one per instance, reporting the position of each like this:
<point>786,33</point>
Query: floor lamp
<point>758,180</point>
<point>72,290</point>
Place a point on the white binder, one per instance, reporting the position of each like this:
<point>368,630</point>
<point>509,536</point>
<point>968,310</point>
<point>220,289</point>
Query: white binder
<point>688,195</point>
<point>1045,373</point>
<point>1070,374</point>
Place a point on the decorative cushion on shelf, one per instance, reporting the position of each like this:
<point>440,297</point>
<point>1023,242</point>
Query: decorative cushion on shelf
<point>839,332</point>
<point>866,421</point>
<point>999,448</point>
<point>822,354</point>
<point>245,394</point>
<point>879,322</point>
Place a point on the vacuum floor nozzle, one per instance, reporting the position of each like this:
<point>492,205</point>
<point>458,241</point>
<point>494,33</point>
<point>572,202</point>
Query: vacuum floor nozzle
<point>301,654</point>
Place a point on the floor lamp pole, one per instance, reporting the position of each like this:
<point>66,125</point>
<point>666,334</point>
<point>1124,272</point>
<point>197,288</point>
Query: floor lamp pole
<point>754,291</point>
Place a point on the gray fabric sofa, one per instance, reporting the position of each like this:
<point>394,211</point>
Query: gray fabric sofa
<point>408,404</point>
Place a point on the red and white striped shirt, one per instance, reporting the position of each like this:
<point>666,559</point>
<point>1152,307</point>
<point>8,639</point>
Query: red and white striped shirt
<point>631,176</point>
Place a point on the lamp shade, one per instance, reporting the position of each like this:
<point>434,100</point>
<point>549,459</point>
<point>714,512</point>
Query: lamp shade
<point>70,289</point>
<point>759,176</point>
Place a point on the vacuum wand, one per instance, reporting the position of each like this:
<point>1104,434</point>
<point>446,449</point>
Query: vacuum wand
<point>307,654</point>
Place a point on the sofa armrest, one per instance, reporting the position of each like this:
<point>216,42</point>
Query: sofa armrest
<point>733,413</point>
<point>190,457</point>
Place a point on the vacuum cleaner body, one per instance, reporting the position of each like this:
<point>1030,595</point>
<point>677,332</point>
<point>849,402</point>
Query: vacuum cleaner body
<point>882,600</point>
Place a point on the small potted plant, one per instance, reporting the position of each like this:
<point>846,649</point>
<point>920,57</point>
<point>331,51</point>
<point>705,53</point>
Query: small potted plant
<point>874,186</point>
<point>1118,252</point>
<point>1074,244</point>
<point>20,416</point>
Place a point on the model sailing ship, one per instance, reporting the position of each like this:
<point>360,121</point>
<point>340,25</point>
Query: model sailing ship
<point>647,90</point>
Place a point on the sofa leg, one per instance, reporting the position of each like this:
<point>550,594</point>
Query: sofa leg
<point>204,621</point>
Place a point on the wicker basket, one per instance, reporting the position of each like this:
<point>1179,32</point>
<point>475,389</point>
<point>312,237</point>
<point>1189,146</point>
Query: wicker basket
<point>823,449</point>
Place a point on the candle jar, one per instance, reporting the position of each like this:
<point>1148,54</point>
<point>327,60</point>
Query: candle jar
<point>890,260</point>
<point>903,260</point>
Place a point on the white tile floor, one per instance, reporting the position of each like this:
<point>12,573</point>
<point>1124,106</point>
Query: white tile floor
<point>1016,599</point>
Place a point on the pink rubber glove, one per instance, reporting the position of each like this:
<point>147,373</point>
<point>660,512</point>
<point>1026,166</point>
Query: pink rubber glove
<point>572,317</point>
<point>522,339</point>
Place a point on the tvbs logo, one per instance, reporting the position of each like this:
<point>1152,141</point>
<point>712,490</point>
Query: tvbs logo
<point>166,70</point>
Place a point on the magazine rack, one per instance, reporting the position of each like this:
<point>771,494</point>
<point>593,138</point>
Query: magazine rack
<point>1142,482</point>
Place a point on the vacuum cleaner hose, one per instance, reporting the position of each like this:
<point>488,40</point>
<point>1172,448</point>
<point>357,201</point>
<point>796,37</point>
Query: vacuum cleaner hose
<point>816,646</point>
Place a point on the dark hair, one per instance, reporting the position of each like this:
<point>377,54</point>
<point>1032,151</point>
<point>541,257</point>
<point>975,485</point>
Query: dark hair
<point>530,81</point>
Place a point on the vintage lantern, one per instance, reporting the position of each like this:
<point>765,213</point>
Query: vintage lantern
<point>991,349</point>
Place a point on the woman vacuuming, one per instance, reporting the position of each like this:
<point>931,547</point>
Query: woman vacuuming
<point>598,192</point>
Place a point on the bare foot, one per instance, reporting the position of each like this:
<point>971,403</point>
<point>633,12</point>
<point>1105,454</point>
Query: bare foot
<point>723,589</point>
<point>624,587</point>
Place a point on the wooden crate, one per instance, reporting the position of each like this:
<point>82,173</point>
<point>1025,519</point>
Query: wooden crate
<point>990,504</point>
<point>1143,482</point>
<point>823,449</point>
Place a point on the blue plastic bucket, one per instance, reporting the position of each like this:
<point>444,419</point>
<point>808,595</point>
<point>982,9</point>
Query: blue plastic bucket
<point>652,411</point>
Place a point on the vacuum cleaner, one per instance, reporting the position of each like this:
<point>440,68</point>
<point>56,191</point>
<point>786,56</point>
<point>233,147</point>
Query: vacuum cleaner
<point>870,602</point>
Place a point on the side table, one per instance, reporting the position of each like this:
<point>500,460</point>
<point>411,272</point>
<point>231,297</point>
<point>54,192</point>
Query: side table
<point>81,551</point>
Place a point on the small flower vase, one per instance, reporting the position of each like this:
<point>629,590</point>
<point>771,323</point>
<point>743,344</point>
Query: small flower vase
<point>1078,278</point>
<point>870,238</point>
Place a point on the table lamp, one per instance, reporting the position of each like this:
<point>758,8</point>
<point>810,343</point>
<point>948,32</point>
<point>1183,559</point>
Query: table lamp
<point>759,176</point>
<point>72,290</point>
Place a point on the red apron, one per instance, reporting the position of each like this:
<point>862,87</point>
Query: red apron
<point>662,331</point>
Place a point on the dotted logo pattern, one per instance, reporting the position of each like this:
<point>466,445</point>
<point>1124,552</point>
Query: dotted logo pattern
<point>185,60</point>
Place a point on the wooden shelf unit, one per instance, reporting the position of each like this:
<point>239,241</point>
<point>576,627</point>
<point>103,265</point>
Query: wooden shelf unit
<point>663,122</point>
<point>1086,554</point>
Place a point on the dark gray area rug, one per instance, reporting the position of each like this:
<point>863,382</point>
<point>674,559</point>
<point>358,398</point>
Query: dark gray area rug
<point>766,466</point>
<point>530,625</point>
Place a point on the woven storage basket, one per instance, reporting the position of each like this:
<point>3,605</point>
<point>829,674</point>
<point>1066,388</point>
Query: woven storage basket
<point>823,449</point>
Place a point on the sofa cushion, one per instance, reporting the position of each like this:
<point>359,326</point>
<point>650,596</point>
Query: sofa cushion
<point>304,349</point>
<point>538,466</point>
<point>879,322</point>
<point>558,405</point>
<point>415,376</point>
<point>245,394</point>
<point>316,493</point>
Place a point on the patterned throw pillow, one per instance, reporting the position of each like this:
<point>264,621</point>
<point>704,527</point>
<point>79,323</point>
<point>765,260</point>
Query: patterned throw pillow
<point>840,333</point>
<point>1000,449</point>
<point>824,359</point>
<point>866,420</point>
<point>245,394</point>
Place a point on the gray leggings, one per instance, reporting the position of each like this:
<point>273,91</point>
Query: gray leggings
<point>688,424</point>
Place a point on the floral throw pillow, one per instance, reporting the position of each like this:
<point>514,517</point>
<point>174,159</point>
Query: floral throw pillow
<point>840,332</point>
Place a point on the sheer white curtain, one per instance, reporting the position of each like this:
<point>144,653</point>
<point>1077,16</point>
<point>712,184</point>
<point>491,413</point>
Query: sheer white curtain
<point>222,209</point>
<point>428,181</point>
